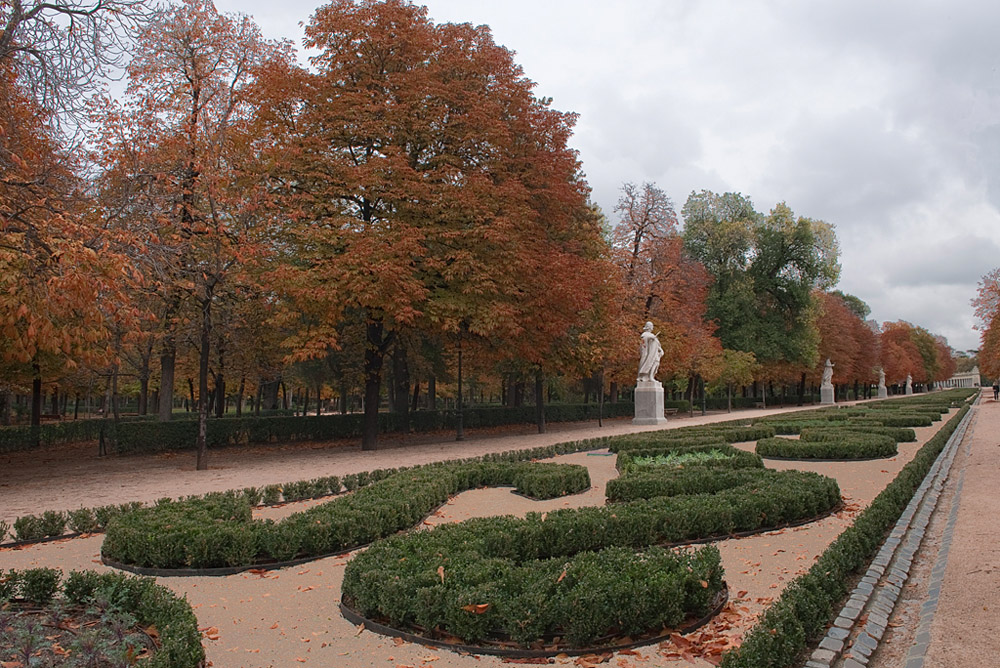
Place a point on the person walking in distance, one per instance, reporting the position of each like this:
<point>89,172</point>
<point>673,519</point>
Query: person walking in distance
<point>996,390</point>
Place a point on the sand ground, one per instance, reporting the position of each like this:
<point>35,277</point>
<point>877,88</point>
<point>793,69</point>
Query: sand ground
<point>290,617</point>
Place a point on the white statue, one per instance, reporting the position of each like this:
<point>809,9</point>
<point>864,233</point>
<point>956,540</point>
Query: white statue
<point>650,353</point>
<point>881,377</point>
<point>909,384</point>
<point>827,374</point>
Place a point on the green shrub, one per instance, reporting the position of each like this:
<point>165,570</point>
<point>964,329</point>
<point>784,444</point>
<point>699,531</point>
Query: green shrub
<point>39,585</point>
<point>850,445</point>
<point>272,495</point>
<point>83,520</point>
<point>28,527</point>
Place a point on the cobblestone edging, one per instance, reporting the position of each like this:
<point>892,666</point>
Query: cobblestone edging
<point>918,651</point>
<point>861,623</point>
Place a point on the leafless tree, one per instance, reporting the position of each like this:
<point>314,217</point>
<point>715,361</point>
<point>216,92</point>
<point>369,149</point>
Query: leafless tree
<point>62,50</point>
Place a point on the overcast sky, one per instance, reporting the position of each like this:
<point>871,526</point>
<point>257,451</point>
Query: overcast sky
<point>882,118</point>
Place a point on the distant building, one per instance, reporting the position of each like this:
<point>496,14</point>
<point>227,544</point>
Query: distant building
<point>964,379</point>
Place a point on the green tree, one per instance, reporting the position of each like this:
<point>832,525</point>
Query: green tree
<point>765,269</point>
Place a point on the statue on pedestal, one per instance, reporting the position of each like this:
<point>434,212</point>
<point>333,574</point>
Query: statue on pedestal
<point>650,353</point>
<point>883,392</point>
<point>909,384</point>
<point>826,387</point>
<point>827,374</point>
<point>648,391</point>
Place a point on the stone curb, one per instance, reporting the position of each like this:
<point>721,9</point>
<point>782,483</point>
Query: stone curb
<point>861,623</point>
<point>918,651</point>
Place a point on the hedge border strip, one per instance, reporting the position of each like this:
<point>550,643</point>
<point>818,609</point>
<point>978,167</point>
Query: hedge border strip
<point>896,556</point>
<point>807,460</point>
<point>223,571</point>
<point>358,619</point>
<point>777,639</point>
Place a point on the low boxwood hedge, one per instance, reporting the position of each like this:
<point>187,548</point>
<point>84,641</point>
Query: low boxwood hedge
<point>477,581</point>
<point>807,605</point>
<point>149,604</point>
<point>690,436</point>
<point>217,530</point>
<point>846,445</point>
<point>832,433</point>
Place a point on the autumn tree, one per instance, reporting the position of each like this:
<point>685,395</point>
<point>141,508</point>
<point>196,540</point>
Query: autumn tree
<point>425,186</point>
<point>987,305</point>
<point>189,90</point>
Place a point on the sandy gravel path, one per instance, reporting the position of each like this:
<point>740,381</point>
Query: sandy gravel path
<point>290,617</point>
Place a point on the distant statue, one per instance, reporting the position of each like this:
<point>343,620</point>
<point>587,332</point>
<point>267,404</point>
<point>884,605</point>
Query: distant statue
<point>881,377</point>
<point>650,353</point>
<point>909,384</point>
<point>827,374</point>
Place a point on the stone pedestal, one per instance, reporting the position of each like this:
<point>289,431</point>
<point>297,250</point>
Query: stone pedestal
<point>883,392</point>
<point>826,395</point>
<point>909,389</point>
<point>649,403</point>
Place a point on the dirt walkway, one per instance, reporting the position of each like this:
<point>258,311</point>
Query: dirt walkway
<point>291,617</point>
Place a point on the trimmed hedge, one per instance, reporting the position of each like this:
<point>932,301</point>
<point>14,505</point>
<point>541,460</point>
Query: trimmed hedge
<point>131,437</point>
<point>827,433</point>
<point>483,579</point>
<point>217,530</point>
<point>690,436</point>
<point>839,446</point>
<point>179,644</point>
<point>807,605</point>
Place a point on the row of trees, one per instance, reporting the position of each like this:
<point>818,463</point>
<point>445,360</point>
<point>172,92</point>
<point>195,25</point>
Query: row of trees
<point>987,306</point>
<point>404,210</point>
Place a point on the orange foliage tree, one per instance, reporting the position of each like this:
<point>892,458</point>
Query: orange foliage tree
<point>987,305</point>
<point>663,285</point>
<point>60,274</point>
<point>200,222</point>
<point>425,188</point>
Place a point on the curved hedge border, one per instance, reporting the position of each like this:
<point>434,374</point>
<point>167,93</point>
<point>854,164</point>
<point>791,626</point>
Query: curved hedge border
<point>150,604</point>
<point>847,446</point>
<point>806,606</point>
<point>354,617</point>
<point>462,583</point>
<point>574,573</point>
<point>217,531</point>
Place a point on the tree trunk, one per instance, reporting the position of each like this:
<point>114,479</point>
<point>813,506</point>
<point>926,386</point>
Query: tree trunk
<point>613,391</point>
<point>343,397</point>
<point>305,402</point>
<point>5,407</point>
<point>201,463</point>
<point>114,393</point>
<point>802,389</point>
<point>378,341</point>
<point>191,393</point>
<point>401,385</point>
<point>539,401</point>
<point>168,359</point>
<point>432,402</point>
<point>239,396</point>
<point>414,404</point>
<point>284,396</point>
<point>518,393</point>
<point>220,386</point>
<point>729,397</point>
<point>36,395</point>
<point>260,397</point>
<point>319,398</point>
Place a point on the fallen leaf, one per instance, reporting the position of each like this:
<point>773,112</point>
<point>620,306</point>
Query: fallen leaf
<point>478,608</point>
<point>440,572</point>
